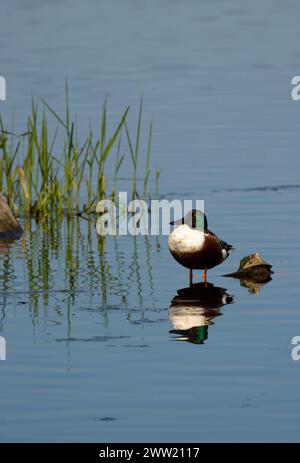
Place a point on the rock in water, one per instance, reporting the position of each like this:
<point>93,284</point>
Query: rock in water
<point>9,226</point>
<point>253,272</point>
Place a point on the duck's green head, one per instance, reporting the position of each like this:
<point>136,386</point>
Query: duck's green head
<point>199,220</point>
<point>195,219</point>
<point>195,335</point>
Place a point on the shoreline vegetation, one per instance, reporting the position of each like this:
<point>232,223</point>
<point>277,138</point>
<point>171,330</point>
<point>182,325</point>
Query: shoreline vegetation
<point>45,173</point>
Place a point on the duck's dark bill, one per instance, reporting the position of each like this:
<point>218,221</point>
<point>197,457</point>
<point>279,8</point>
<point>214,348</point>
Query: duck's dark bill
<point>177,222</point>
<point>187,220</point>
<point>194,218</point>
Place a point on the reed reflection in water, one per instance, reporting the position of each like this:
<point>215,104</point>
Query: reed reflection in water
<point>61,263</point>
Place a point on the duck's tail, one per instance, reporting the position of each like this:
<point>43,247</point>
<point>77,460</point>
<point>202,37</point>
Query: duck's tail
<point>226,249</point>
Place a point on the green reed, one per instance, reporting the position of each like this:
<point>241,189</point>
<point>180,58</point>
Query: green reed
<point>46,172</point>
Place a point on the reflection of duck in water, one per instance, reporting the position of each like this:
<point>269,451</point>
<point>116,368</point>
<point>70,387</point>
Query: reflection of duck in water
<point>194,246</point>
<point>193,309</point>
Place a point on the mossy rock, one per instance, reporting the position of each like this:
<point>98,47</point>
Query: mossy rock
<point>253,268</point>
<point>252,261</point>
<point>9,226</point>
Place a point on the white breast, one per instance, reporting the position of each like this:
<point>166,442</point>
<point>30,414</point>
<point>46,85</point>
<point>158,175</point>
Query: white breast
<point>185,239</point>
<point>184,317</point>
<point>188,321</point>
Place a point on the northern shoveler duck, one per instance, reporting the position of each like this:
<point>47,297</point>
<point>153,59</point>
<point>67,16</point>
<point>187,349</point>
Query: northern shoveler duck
<point>194,246</point>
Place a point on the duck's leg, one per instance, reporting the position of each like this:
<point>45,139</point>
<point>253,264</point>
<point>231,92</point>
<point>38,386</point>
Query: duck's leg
<point>204,276</point>
<point>191,277</point>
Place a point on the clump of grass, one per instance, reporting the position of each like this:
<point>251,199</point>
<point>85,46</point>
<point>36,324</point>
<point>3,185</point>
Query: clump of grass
<point>45,172</point>
<point>134,150</point>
